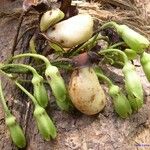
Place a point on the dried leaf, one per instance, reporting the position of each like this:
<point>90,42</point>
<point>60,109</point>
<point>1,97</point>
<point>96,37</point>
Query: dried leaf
<point>38,5</point>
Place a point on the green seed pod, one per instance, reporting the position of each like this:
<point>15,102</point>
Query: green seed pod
<point>58,87</point>
<point>145,62</point>
<point>133,85</point>
<point>134,40</point>
<point>121,103</point>
<point>50,18</point>
<point>16,132</point>
<point>45,125</point>
<point>131,54</point>
<point>40,92</point>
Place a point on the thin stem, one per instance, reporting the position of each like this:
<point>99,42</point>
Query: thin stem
<point>109,24</point>
<point>124,56</point>
<point>25,33</point>
<point>17,33</point>
<point>34,72</point>
<point>116,45</point>
<point>27,93</point>
<point>9,75</point>
<point>90,41</point>
<point>104,78</point>
<point>2,100</point>
<point>47,62</point>
<point>29,81</point>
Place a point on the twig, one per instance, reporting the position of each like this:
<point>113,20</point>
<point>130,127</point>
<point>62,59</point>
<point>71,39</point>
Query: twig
<point>25,33</point>
<point>17,33</point>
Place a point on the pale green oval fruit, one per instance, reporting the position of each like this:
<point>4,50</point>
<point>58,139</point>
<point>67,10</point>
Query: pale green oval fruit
<point>50,18</point>
<point>145,62</point>
<point>133,86</point>
<point>58,87</point>
<point>39,89</point>
<point>85,91</point>
<point>16,132</point>
<point>133,39</point>
<point>73,31</point>
<point>45,125</point>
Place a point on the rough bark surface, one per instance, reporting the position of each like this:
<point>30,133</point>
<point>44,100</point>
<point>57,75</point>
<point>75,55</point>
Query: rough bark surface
<point>105,131</point>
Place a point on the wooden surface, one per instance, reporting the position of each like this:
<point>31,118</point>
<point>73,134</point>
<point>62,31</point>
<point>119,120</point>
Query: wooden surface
<point>105,131</point>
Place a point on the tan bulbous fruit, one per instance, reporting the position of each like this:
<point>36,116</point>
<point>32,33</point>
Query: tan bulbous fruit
<point>73,31</point>
<point>85,91</point>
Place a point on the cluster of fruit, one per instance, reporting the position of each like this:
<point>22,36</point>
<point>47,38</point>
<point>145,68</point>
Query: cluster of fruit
<point>75,40</point>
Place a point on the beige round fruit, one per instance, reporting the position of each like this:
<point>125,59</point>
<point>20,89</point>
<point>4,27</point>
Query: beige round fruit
<point>85,91</point>
<point>71,32</point>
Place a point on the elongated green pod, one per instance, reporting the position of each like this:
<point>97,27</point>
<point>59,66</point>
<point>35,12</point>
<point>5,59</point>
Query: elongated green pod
<point>121,103</point>
<point>133,39</point>
<point>133,85</point>
<point>58,87</point>
<point>45,125</point>
<point>145,62</point>
<point>131,54</point>
<point>50,18</point>
<point>16,132</point>
<point>40,92</point>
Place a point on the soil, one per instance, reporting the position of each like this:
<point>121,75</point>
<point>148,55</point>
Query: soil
<point>104,131</point>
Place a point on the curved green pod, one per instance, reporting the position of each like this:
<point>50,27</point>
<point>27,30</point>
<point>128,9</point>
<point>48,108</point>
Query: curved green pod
<point>145,62</point>
<point>133,39</point>
<point>39,90</point>
<point>16,132</point>
<point>133,86</point>
<point>45,125</point>
<point>121,103</point>
<point>58,87</point>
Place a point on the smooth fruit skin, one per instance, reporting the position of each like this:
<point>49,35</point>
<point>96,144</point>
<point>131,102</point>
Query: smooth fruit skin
<point>134,40</point>
<point>133,86</point>
<point>16,132</point>
<point>85,91</point>
<point>39,89</point>
<point>145,62</point>
<point>121,103</point>
<point>50,18</point>
<point>73,31</point>
<point>58,87</point>
<point>45,125</point>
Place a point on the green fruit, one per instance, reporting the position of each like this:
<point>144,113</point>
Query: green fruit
<point>133,86</point>
<point>58,87</point>
<point>45,125</point>
<point>145,62</point>
<point>134,40</point>
<point>121,103</point>
<point>39,89</point>
<point>16,132</point>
